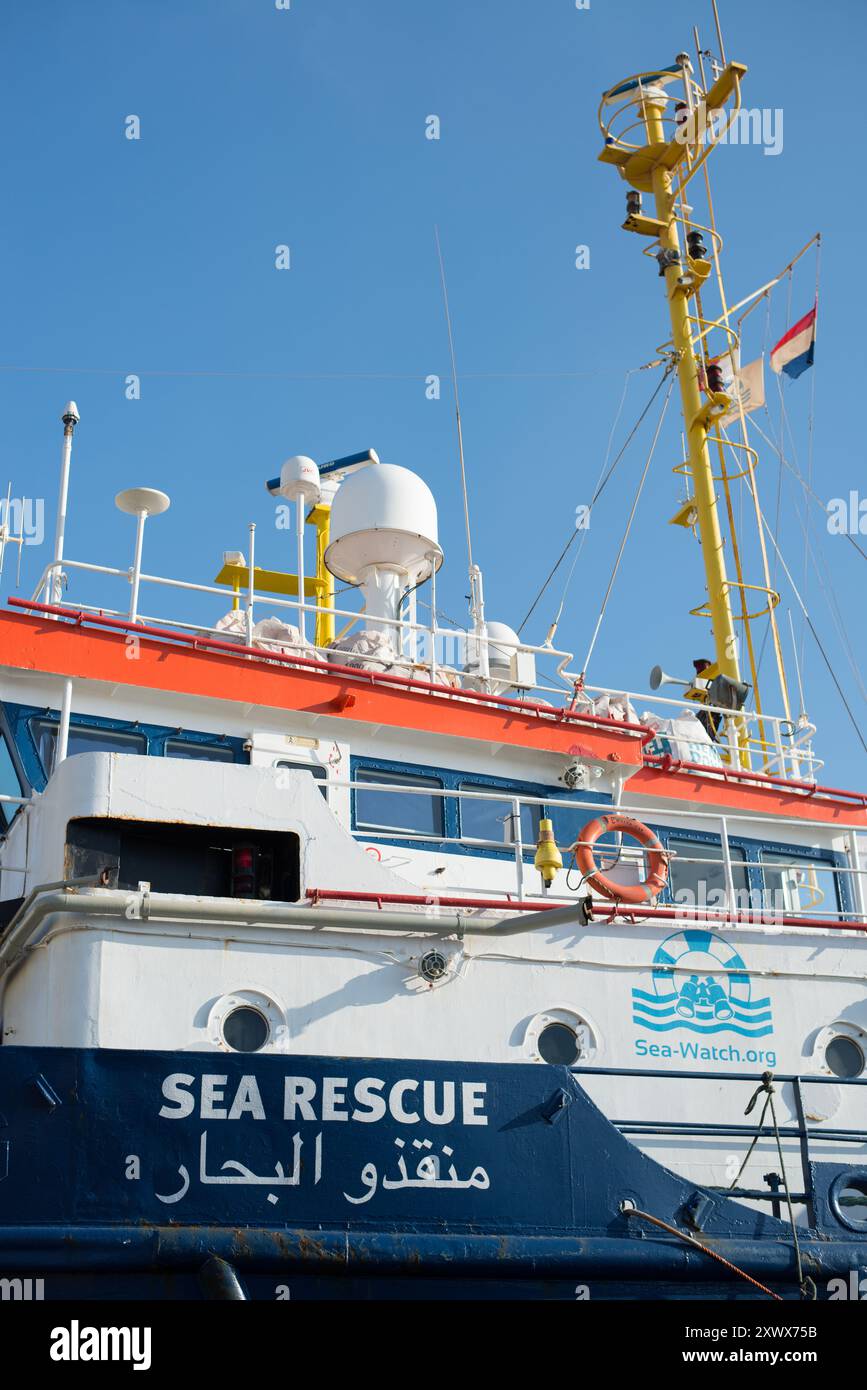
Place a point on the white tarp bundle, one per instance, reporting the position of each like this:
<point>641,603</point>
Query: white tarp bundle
<point>684,738</point>
<point>610,706</point>
<point>272,634</point>
<point>371,650</point>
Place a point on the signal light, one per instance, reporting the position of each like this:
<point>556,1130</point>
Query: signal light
<point>715,380</point>
<point>695,246</point>
<point>245,860</point>
<point>633,204</point>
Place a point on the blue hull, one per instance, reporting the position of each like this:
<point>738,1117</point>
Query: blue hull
<point>123,1174</point>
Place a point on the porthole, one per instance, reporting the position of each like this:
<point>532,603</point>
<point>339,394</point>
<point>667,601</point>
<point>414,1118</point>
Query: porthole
<point>844,1057</point>
<point>558,1045</point>
<point>561,1037</point>
<point>247,1020</point>
<point>849,1200</point>
<point>245,1030</point>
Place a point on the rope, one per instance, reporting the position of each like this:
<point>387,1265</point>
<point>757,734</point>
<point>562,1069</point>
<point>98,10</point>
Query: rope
<point>807,1287</point>
<point>705,1249</point>
<point>597,494</point>
<point>585,532</point>
<point>626,532</point>
<point>804,484</point>
<point>818,640</point>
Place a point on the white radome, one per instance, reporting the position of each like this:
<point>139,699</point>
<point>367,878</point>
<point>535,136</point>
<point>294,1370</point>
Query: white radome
<point>299,480</point>
<point>500,658</point>
<point>383,516</point>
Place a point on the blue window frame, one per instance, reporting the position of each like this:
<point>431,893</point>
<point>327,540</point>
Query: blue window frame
<point>756,873</point>
<point>692,882</point>
<point>202,752</point>
<point>454,817</point>
<point>494,821</point>
<point>33,732</point>
<point>799,884</point>
<point>83,740</point>
<point>417,812</point>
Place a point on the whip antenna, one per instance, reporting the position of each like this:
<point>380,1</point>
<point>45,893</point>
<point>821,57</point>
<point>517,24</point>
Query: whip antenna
<point>477,601</point>
<point>457,400</point>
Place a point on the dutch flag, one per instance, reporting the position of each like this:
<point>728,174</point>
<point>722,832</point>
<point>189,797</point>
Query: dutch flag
<point>794,352</point>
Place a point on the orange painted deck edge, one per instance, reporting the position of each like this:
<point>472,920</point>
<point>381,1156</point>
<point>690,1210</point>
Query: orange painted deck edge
<point>763,801</point>
<point>45,645</point>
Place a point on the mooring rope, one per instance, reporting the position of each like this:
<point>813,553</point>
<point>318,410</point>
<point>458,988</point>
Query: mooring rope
<point>705,1249</point>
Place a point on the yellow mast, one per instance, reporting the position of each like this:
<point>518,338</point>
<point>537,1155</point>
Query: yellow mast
<point>650,162</point>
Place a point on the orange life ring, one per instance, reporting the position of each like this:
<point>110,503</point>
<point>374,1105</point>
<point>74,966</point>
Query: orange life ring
<point>649,890</point>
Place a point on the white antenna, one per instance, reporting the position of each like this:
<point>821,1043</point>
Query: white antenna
<point>140,502</point>
<point>70,418</point>
<point>477,598</point>
<point>6,534</point>
<point>803,711</point>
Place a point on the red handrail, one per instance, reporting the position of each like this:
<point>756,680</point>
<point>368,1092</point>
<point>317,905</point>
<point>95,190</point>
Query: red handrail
<point>328,667</point>
<point>597,909</point>
<point>666,763</point>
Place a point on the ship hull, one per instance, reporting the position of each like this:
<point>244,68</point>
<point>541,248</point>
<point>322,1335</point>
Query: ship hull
<point>190,1175</point>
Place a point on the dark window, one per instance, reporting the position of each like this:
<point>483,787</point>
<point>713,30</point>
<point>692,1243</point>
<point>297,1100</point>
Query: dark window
<point>245,1030</point>
<point>85,740</point>
<point>694,884</point>
<point>316,771</point>
<point>796,886</point>
<point>205,752</point>
<point>381,809</point>
<point>844,1056</point>
<point>558,1045</point>
<point>852,1201</point>
<point>190,859</point>
<point>494,820</point>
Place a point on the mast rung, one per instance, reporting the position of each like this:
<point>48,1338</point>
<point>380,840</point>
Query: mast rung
<point>644,226</point>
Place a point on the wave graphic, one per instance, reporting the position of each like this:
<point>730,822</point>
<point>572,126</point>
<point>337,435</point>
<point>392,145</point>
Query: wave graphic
<point>668,999</point>
<point>703,1028</point>
<point>658,1014</point>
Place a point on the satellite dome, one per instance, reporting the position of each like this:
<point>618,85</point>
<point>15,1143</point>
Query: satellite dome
<point>383,516</point>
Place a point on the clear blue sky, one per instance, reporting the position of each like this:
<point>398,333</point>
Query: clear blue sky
<point>307,127</point>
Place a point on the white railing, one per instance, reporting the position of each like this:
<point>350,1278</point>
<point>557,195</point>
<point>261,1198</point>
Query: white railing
<point>711,822</point>
<point>787,753</point>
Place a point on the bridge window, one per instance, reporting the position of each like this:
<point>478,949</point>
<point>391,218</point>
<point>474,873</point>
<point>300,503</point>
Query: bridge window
<point>84,740</point>
<point>493,821</point>
<point>204,752</point>
<point>418,811</point>
<point>10,785</point>
<point>316,770</point>
<point>798,886</point>
<point>692,884</point>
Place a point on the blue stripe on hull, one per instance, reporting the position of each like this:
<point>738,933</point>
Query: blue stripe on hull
<point>361,1172</point>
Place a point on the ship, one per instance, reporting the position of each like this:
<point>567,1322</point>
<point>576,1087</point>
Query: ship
<point>346,955</point>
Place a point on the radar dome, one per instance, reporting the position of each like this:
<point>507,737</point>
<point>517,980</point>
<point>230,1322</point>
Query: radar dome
<point>383,516</point>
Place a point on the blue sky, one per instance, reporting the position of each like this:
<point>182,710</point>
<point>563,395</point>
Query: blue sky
<point>306,127</point>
